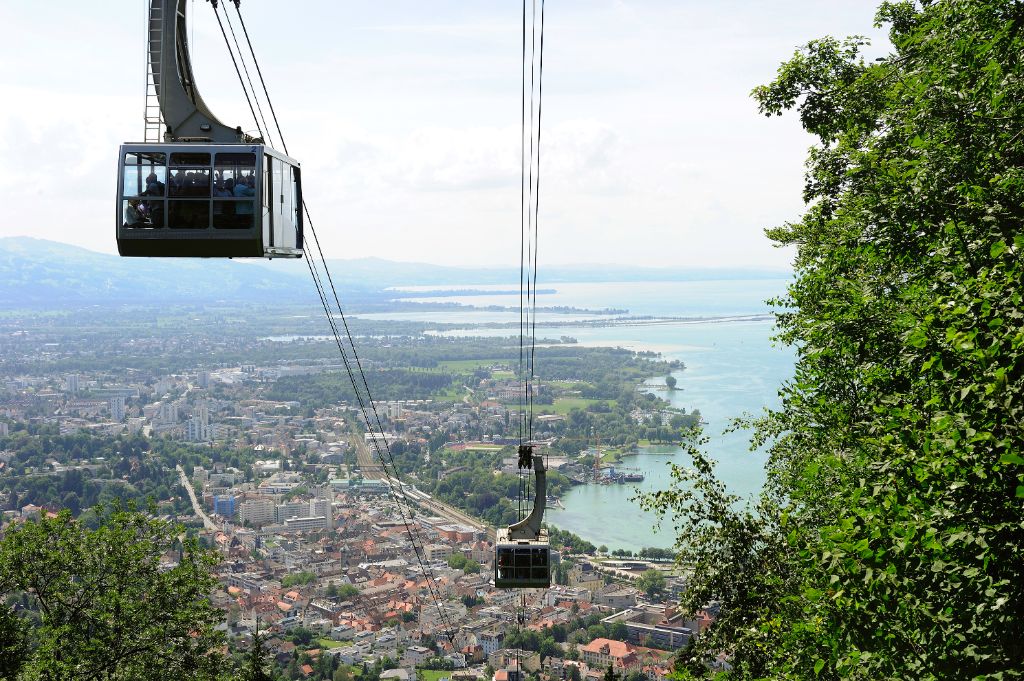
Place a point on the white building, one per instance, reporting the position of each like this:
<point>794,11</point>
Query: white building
<point>291,509</point>
<point>256,512</point>
<point>305,524</point>
<point>166,412</point>
<point>117,408</point>
<point>71,383</point>
<point>322,507</point>
<point>198,428</point>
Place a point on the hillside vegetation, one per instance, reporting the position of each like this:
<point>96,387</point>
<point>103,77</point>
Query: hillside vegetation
<point>888,541</point>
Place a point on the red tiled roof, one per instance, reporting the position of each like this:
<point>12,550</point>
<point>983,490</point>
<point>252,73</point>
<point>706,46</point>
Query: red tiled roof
<point>606,646</point>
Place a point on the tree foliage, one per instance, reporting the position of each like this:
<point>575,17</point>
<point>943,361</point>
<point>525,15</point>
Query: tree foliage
<point>887,542</point>
<point>652,583</point>
<point>102,604</point>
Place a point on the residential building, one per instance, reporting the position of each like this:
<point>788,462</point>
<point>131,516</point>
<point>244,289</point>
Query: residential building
<point>224,505</point>
<point>437,551</point>
<point>601,652</point>
<point>305,524</point>
<point>491,641</point>
<point>322,507</point>
<point>117,408</point>
<point>291,509</point>
<point>256,512</point>
<point>198,427</point>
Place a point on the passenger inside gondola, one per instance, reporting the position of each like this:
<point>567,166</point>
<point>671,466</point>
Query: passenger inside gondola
<point>133,215</point>
<point>154,187</point>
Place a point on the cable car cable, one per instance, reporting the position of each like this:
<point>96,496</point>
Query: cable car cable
<point>394,482</point>
<point>233,61</point>
<point>536,209</point>
<point>522,245</point>
<point>259,72</point>
<point>241,58</point>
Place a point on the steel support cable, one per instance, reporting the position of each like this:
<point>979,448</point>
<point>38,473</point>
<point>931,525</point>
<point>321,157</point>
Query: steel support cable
<point>393,481</point>
<point>530,233</point>
<point>523,211</point>
<point>530,204</point>
<point>522,214</point>
<point>266,95</point>
<point>321,291</point>
<point>536,211</point>
<point>241,58</point>
<point>235,62</point>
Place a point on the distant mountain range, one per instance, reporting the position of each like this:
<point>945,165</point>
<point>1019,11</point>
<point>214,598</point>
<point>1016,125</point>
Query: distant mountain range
<point>42,273</point>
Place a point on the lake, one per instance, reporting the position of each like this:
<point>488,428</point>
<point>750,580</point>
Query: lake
<point>732,369</point>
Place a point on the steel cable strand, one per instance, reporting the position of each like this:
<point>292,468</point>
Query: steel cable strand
<point>237,71</point>
<point>241,58</point>
<point>259,72</point>
<point>393,480</point>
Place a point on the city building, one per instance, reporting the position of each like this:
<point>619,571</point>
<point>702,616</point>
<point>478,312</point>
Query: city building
<point>653,625</point>
<point>601,652</point>
<point>224,505</point>
<point>491,641</point>
<point>291,509</point>
<point>305,524</point>
<point>117,408</point>
<point>198,428</point>
<point>256,512</point>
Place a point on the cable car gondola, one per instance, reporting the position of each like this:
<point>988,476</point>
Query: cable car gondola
<point>206,190</point>
<point>522,554</point>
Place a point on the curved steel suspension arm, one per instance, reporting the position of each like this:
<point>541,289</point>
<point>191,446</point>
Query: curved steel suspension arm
<point>529,527</point>
<point>184,112</point>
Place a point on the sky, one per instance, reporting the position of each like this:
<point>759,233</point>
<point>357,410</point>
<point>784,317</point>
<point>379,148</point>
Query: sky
<point>405,116</point>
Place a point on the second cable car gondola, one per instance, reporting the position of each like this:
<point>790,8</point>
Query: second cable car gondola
<point>205,189</point>
<point>522,554</point>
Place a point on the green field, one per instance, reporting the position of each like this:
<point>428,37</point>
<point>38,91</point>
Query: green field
<point>452,394</point>
<point>563,405</point>
<point>330,643</point>
<point>469,364</point>
<point>432,674</point>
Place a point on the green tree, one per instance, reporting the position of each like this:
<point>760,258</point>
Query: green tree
<point>346,591</point>
<point>106,606</point>
<point>887,541</point>
<point>652,583</point>
<point>256,662</point>
<point>670,382</point>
